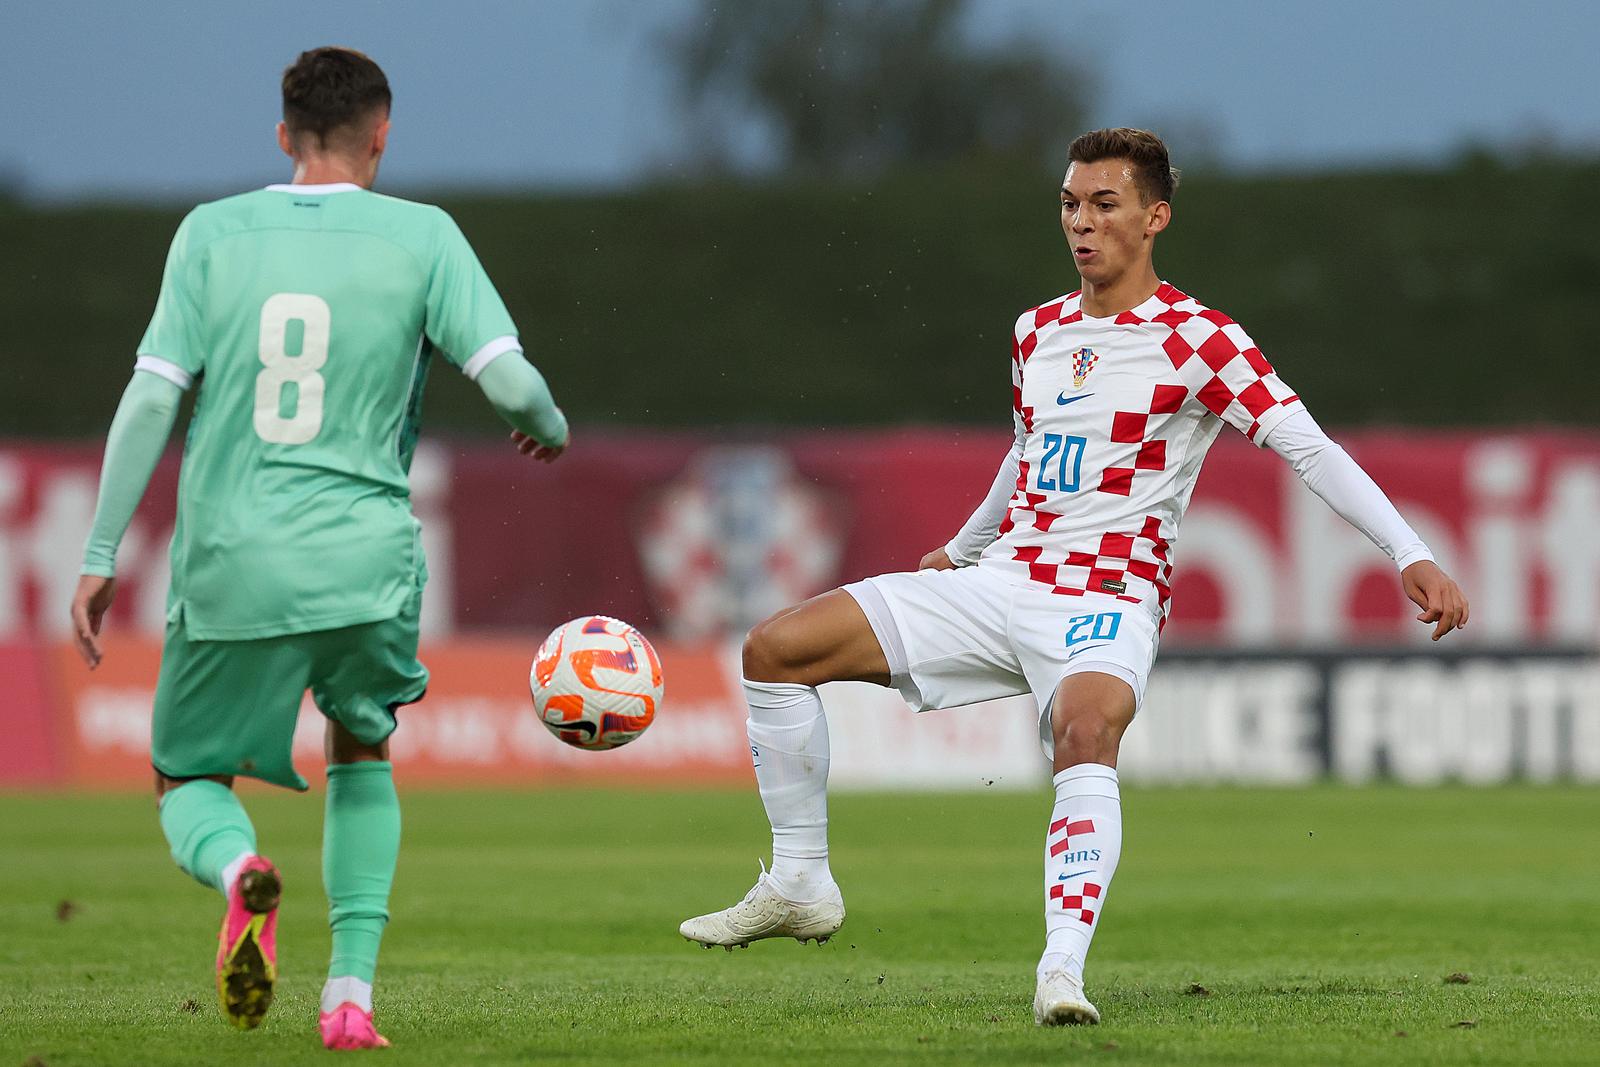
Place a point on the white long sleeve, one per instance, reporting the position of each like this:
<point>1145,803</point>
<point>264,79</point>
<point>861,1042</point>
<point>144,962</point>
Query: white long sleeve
<point>984,525</point>
<point>1328,471</point>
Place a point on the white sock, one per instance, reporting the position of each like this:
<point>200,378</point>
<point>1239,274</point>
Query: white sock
<point>1080,856</point>
<point>789,746</point>
<point>230,873</point>
<point>337,991</point>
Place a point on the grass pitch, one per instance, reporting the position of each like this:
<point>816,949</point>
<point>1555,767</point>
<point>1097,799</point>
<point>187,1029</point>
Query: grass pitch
<point>1270,927</point>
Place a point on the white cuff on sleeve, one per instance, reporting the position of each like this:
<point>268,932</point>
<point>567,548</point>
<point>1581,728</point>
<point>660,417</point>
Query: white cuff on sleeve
<point>164,368</point>
<point>487,355</point>
<point>1413,553</point>
<point>953,550</point>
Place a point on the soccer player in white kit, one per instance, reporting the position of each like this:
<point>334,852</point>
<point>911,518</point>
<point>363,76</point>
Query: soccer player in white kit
<point>1059,583</point>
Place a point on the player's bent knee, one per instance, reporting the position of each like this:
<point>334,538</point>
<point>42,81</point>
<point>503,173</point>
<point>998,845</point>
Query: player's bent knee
<point>1090,713</point>
<point>165,785</point>
<point>767,655</point>
<point>826,639</point>
<point>1086,737</point>
<point>342,746</point>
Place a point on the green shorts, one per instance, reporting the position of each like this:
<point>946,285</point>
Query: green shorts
<point>230,707</point>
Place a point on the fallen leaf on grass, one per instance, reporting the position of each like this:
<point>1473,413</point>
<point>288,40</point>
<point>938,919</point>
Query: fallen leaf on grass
<point>191,1006</point>
<point>1464,1024</point>
<point>1197,990</point>
<point>1458,978</point>
<point>65,911</point>
<point>1401,1033</point>
<point>1109,1046</point>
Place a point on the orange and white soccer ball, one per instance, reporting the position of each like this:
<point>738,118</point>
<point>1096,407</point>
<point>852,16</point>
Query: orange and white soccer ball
<point>596,682</point>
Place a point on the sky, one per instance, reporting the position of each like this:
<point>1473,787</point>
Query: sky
<point>170,99</point>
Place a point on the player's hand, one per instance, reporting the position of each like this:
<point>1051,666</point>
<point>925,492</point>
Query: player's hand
<point>937,560</point>
<point>529,446</point>
<point>89,606</point>
<point>1440,599</point>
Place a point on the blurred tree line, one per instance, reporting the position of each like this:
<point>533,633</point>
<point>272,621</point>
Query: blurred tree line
<point>851,88</point>
<point>1377,295</point>
<point>874,275</point>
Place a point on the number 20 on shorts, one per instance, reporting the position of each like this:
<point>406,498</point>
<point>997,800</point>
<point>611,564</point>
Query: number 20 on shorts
<point>1101,627</point>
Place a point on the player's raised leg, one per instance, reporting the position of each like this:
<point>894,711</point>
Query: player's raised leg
<point>220,707</point>
<point>212,839</point>
<point>1089,713</point>
<point>828,638</point>
<point>360,847</point>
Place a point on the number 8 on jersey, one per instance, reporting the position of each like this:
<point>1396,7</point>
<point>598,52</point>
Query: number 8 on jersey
<point>280,369</point>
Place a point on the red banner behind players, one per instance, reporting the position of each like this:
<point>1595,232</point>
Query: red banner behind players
<point>476,726</point>
<point>693,538</point>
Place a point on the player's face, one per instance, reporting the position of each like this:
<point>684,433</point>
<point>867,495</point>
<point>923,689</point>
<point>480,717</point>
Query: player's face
<point>1108,229</point>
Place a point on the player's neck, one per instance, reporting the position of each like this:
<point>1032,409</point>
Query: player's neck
<point>332,170</point>
<point>1124,293</point>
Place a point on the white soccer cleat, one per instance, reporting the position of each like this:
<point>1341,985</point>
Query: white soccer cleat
<point>763,913</point>
<point>1059,1001</point>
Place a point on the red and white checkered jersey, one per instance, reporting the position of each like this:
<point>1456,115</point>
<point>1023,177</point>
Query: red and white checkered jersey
<point>1114,416</point>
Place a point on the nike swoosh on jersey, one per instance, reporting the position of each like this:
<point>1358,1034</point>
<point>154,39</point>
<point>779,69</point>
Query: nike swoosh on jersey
<point>1065,399</point>
<point>1070,877</point>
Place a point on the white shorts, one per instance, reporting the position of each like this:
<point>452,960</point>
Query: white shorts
<point>968,635</point>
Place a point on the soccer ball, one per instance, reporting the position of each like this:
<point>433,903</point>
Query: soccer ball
<point>596,682</point>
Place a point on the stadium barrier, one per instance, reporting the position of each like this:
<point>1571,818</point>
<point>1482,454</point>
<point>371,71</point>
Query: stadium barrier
<point>1276,718</point>
<point>691,536</point>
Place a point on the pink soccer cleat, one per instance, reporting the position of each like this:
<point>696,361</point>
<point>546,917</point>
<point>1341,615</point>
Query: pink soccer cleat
<point>247,948</point>
<point>348,1027</point>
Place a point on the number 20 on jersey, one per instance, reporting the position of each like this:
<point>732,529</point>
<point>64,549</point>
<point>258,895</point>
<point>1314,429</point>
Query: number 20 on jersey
<point>1062,465</point>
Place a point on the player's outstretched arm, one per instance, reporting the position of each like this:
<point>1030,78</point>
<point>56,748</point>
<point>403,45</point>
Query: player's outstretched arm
<point>518,392</point>
<point>138,435</point>
<point>1328,471</point>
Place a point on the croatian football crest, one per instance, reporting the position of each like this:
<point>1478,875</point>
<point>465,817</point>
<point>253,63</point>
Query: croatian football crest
<point>1083,361</point>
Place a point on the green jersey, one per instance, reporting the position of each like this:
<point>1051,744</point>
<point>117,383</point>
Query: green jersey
<point>308,316</point>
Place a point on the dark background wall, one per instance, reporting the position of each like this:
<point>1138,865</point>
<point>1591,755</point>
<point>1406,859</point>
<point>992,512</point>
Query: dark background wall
<point>1439,297</point>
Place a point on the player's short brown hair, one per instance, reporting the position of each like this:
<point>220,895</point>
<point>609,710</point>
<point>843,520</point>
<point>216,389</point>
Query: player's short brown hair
<point>330,90</point>
<point>1152,170</point>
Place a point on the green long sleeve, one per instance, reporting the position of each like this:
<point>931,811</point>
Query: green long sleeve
<point>138,435</point>
<point>519,393</point>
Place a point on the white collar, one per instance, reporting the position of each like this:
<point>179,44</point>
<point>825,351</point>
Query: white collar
<point>331,187</point>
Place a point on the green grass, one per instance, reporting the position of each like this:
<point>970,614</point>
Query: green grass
<point>530,926</point>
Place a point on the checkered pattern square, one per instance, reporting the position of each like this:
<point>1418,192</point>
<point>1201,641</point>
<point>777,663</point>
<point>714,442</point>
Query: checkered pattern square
<point>1117,558</point>
<point>1132,428</point>
<point>1067,828</point>
<point>1102,483</point>
<point>1224,369</point>
<point>1078,902</point>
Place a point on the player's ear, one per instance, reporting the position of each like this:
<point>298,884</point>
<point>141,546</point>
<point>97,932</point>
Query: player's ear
<point>380,136</point>
<point>1160,216</point>
<point>283,140</point>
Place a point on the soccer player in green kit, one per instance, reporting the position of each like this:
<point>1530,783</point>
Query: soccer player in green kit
<point>306,314</point>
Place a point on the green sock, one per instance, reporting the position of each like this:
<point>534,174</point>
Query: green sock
<point>360,844</point>
<point>206,827</point>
